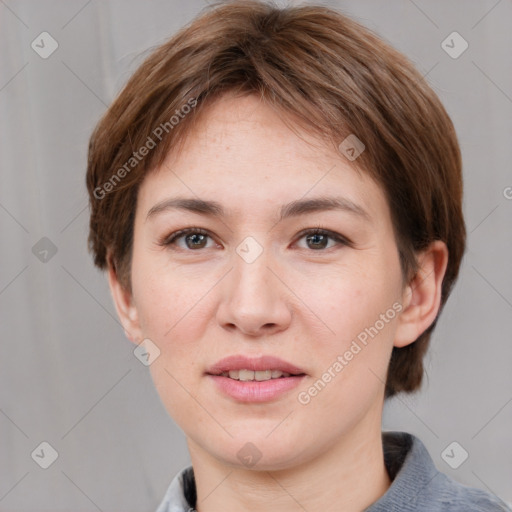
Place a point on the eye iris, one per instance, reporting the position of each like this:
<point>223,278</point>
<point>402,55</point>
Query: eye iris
<point>202,237</point>
<point>315,236</point>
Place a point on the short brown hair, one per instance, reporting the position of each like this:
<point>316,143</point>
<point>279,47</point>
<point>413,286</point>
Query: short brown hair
<point>327,74</point>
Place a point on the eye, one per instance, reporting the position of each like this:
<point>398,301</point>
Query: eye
<point>318,238</point>
<point>194,238</point>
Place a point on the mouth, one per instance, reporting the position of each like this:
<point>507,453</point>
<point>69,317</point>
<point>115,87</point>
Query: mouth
<point>259,375</point>
<point>243,368</point>
<point>259,379</point>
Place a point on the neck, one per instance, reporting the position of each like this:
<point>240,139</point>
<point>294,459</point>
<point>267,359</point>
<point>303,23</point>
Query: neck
<point>348,477</point>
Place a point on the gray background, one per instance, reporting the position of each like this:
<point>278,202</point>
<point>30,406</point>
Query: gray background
<point>68,375</point>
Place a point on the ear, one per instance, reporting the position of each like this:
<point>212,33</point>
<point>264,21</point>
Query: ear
<point>421,298</point>
<point>125,307</point>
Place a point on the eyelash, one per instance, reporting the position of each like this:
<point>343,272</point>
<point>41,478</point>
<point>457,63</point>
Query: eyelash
<point>317,230</point>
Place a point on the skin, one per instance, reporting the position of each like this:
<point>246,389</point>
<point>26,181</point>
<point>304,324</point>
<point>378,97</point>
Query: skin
<point>296,301</point>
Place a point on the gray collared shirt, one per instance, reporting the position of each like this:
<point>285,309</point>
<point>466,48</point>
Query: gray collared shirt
<point>417,486</point>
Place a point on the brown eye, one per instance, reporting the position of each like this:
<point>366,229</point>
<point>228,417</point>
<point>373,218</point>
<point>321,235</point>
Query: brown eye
<point>318,239</point>
<point>195,238</point>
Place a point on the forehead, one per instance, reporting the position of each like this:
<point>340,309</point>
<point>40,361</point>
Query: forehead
<point>242,155</point>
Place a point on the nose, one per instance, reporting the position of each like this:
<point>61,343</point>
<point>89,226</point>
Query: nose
<point>254,299</point>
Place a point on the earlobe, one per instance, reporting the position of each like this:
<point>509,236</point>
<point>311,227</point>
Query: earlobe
<point>125,307</point>
<point>422,296</point>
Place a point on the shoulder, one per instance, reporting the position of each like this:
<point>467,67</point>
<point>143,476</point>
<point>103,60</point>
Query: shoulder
<point>453,496</point>
<point>417,485</point>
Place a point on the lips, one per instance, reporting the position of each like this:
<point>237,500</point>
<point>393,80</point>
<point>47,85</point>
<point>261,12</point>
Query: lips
<point>262,363</point>
<point>246,380</point>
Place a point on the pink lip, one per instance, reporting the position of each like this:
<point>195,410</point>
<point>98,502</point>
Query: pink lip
<point>241,362</point>
<point>255,391</point>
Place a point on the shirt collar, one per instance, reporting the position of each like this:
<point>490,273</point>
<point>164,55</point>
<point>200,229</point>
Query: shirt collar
<point>411,470</point>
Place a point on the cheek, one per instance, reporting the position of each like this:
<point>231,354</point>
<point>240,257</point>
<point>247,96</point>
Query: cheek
<point>348,300</point>
<point>167,299</point>
<point>351,365</point>
<point>172,315</point>
<point>360,307</point>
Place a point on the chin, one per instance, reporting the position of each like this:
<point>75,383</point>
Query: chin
<point>259,451</point>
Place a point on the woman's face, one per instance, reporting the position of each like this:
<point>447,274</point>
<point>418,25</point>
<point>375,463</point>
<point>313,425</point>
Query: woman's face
<point>256,284</point>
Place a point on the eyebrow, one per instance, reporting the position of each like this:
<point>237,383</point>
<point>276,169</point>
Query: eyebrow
<point>293,209</point>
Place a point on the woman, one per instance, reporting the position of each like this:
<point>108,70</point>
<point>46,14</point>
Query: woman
<point>276,195</point>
